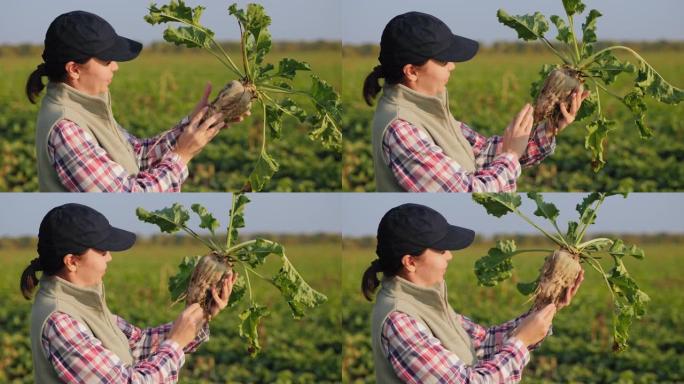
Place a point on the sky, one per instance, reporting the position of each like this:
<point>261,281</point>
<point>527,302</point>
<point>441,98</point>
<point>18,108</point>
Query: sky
<point>363,20</point>
<point>286,213</point>
<point>352,214</point>
<point>353,21</point>
<point>638,213</point>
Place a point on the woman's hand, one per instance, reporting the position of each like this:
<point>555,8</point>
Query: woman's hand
<point>517,133</point>
<point>221,301</point>
<point>186,325</point>
<point>195,135</point>
<point>570,293</point>
<point>204,101</point>
<point>535,326</point>
<point>569,113</point>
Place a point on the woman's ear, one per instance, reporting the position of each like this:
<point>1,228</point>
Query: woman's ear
<point>70,262</point>
<point>73,70</point>
<point>409,263</point>
<point>410,72</point>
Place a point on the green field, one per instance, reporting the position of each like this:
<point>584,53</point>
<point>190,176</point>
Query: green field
<point>489,90</point>
<point>294,351</point>
<point>580,349</point>
<point>151,94</point>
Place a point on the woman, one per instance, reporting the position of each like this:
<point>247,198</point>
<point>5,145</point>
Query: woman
<point>74,336</point>
<point>79,144</point>
<point>416,336</point>
<point>417,144</point>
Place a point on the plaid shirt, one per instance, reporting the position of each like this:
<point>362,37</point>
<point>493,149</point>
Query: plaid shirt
<point>418,357</point>
<point>82,165</point>
<point>419,165</point>
<point>79,357</point>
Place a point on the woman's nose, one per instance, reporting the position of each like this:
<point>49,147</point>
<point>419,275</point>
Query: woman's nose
<point>115,66</point>
<point>451,66</point>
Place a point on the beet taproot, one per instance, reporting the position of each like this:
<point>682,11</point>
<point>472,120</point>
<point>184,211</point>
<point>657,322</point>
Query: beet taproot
<point>557,276</point>
<point>209,272</point>
<point>557,89</point>
<point>233,100</point>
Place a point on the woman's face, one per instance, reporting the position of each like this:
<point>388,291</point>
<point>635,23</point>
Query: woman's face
<point>90,267</point>
<point>431,78</point>
<point>430,267</point>
<point>94,76</point>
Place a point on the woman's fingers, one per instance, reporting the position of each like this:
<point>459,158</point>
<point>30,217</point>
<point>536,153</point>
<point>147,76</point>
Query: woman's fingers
<point>198,117</point>
<point>549,311</point>
<point>207,92</point>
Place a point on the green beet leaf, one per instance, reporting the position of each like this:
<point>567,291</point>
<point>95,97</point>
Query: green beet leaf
<point>287,68</point>
<point>178,283</point>
<point>192,34</point>
<point>238,292</point>
<point>529,27</point>
<point>630,303</point>
<point>652,84</point>
<point>527,288</point>
<point>573,7</point>
<point>299,295</point>
<point>607,67</point>
<point>255,253</point>
<point>589,33</point>
<point>264,169</point>
<point>168,220</point>
<point>564,34</point>
<point>328,113</point>
<point>207,220</point>
<point>249,325</point>
<point>237,218</point>
<point>597,132</point>
<point>619,249</point>
<point>496,266</point>
<point>498,204</point>
<point>544,209</point>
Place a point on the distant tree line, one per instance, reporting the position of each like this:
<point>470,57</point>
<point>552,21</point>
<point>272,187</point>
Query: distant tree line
<point>30,242</point>
<point>660,238</point>
<point>527,47</point>
<point>28,50</point>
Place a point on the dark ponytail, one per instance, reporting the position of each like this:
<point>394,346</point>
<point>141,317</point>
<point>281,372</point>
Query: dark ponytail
<point>370,281</point>
<point>29,280</point>
<point>392,75</point>
<point>371,86</point>
<point>388,262</point>
<point>55,72</point>
<point>49,262</point>
<point>34,84</point>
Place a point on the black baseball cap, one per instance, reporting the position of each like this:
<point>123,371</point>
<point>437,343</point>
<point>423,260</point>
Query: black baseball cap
<point>79,35</point>
<point>411,227</point>
<point>73,228</point>
<point>415,37</point>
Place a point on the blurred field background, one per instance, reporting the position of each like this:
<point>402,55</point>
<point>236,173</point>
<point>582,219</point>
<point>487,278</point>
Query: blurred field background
<point>580,349</point>
<point>293,351</point>
<point>156,90</point>
<point>489,90</point>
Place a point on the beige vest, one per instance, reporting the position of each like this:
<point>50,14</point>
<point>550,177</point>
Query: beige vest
<point>429,113</point>
<point>426,305</point>
<point>94,115</point>
<point>86,305</point>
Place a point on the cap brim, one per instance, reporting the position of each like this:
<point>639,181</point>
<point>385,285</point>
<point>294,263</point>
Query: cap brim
<point>118,240</point>
<point>461,49</point>
<point>123,50</point>
<point>456,238</point>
